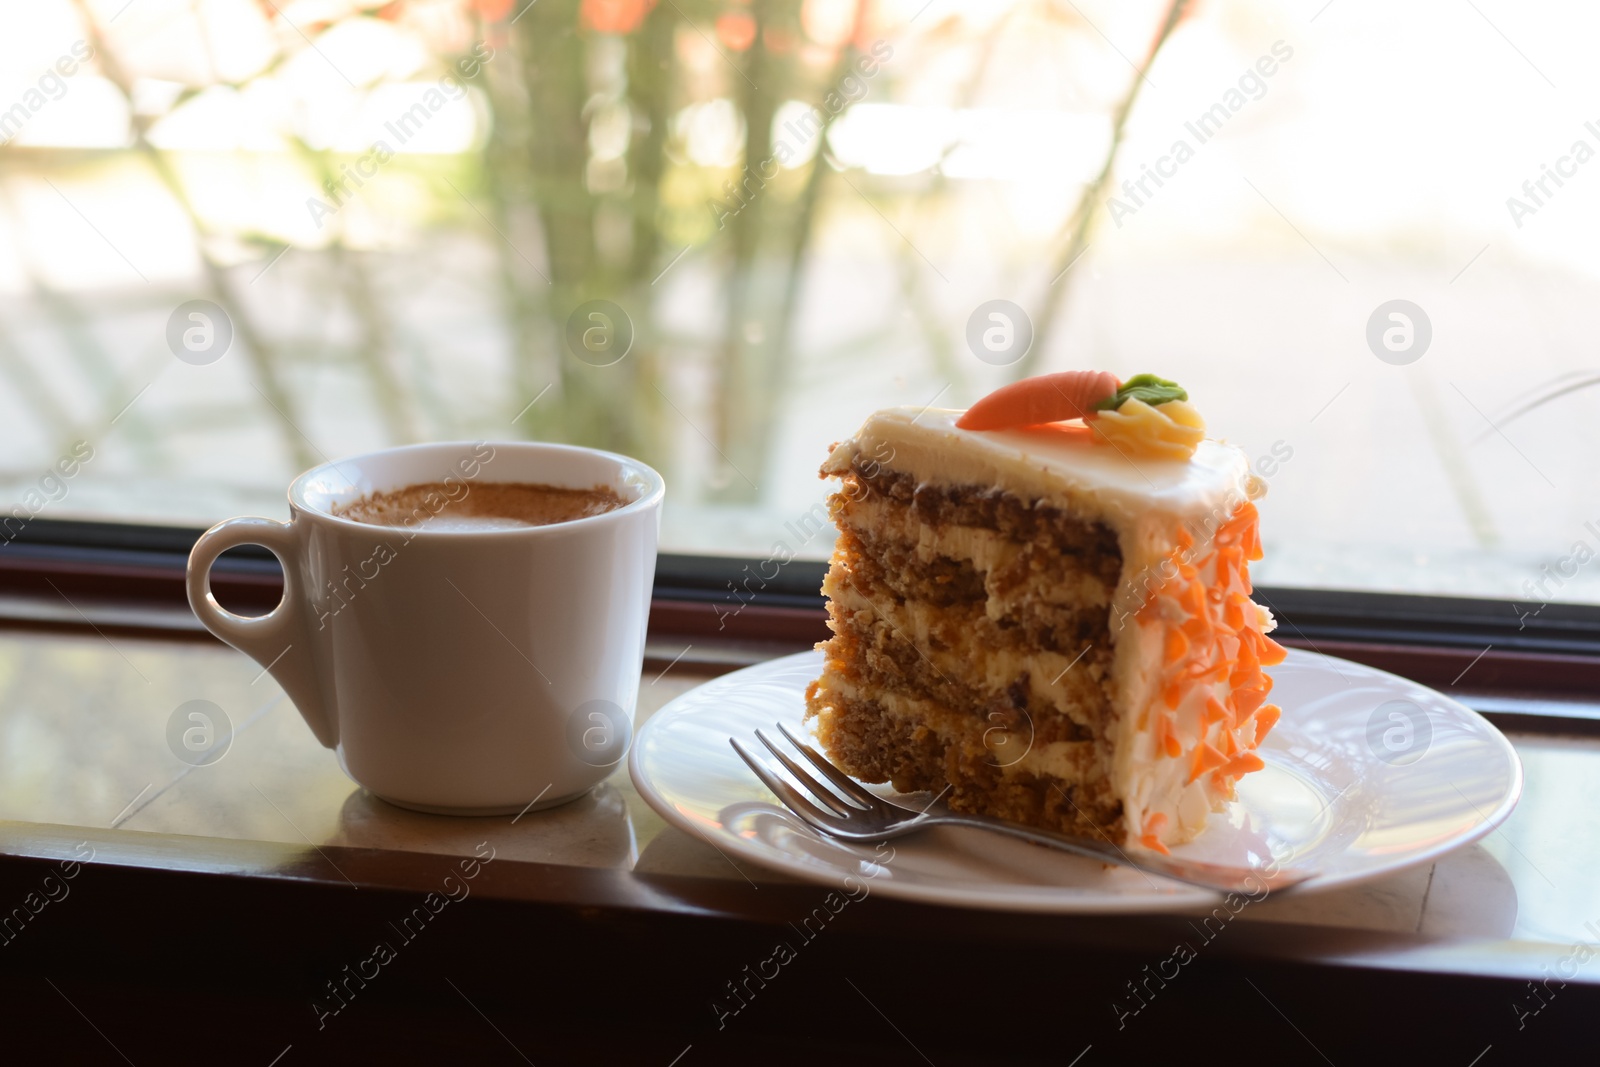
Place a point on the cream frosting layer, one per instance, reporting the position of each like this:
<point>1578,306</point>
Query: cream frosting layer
<point>988,552</point>
<point>1058,467</point>
<point>1015,751</point>
<point>987,670</point>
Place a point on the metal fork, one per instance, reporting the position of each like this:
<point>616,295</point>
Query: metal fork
<point>860,815</point>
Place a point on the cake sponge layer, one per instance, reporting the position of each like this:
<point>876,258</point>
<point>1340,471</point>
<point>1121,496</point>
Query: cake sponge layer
<point>971,656</point>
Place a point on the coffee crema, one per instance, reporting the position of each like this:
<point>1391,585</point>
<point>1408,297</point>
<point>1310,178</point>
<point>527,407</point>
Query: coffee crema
<point>479,506</point>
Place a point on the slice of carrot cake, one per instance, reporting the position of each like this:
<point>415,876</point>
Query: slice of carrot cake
<point>1041,608</point>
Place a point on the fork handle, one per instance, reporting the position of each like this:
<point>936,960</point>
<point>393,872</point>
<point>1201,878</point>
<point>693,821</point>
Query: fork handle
<point>1216,877</point>
<point>1076,845</point>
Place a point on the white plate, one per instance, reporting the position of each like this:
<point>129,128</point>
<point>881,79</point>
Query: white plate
<point>1366,774</point>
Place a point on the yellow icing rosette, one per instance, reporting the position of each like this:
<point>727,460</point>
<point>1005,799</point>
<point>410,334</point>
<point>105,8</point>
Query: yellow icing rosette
<point>1172,430</point>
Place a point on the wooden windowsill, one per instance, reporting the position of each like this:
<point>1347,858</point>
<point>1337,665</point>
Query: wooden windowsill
<point>247,886</point>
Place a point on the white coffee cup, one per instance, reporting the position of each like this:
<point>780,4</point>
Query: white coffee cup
<point>457,671</point>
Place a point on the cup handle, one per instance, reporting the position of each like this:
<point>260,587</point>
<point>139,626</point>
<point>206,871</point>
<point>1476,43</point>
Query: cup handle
<point>280,640</point>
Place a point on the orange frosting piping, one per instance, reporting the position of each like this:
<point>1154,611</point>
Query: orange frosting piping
<point>1266,719</point>
<point>1211,633</point>
<point>1151,838</point>
<point>1242,764</point>
<point>1206,758</point>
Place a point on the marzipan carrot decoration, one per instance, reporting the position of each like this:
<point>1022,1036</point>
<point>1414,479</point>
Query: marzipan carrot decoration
<point>1073,394</point>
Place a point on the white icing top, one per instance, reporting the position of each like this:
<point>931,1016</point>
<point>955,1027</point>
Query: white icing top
<point>1060,467</point>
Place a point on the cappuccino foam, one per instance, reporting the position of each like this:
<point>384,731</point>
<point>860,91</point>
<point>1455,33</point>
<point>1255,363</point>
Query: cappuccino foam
<point>480,506</point>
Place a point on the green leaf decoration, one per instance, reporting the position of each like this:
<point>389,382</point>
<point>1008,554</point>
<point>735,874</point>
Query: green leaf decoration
<point>1146,387</point>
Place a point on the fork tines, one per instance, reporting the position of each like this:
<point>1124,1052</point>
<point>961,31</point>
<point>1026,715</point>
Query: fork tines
<point>840,811</point>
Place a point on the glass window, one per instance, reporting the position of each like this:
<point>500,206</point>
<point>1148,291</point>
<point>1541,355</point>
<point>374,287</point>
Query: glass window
<point>239,238</point>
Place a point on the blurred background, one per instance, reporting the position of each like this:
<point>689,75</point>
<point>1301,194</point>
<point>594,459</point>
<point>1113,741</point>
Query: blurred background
<point>716,234</point>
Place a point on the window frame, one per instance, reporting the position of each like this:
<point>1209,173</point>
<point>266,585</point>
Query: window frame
<point>735,610</point>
